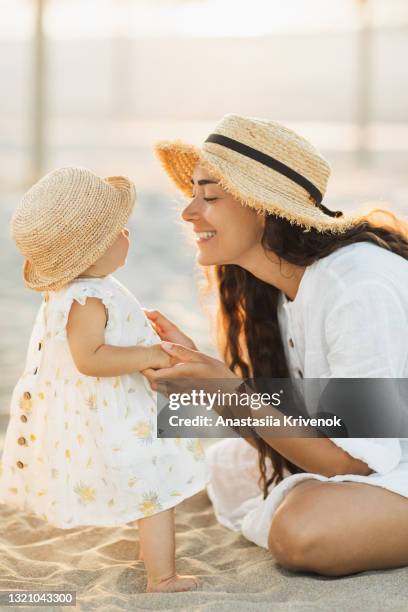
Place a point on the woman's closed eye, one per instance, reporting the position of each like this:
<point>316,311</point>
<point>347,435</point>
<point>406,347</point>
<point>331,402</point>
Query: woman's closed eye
<point>210,199</point>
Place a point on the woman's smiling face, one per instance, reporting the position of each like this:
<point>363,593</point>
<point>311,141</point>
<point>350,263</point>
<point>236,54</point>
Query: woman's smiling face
<point>226,231</point>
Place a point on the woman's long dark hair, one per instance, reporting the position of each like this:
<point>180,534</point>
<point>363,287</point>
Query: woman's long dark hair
<point>248,331</point>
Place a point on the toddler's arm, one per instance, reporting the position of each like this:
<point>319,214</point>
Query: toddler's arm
<point>92,357</point>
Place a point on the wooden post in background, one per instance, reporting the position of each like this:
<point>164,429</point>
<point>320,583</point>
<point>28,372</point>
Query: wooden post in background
<point>364,81</point>
<point>38,102</point>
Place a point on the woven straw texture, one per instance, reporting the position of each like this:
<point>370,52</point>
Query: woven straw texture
<point>67,221</point>
<point>253,183</point>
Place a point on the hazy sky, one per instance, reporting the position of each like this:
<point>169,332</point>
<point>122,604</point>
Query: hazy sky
<point>71,18</point>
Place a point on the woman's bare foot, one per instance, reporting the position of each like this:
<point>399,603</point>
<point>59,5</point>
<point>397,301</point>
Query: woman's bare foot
<point>174,584</point>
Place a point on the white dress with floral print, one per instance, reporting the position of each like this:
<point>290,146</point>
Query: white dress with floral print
<point>81,450</point>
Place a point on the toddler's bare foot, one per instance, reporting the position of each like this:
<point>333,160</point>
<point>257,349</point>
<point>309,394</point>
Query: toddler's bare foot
<point>174,584</point>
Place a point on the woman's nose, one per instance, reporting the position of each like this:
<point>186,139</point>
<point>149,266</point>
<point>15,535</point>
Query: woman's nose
<point>191,212</point>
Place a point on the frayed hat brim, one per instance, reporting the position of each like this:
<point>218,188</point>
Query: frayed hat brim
<point>45,270</point>
<point>179,160</point>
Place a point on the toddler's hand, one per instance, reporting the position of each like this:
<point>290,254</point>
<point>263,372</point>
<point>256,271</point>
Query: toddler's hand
<point>158,358</point>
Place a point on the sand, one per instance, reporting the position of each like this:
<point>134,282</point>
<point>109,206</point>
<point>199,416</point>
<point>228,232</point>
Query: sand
<point>100,564</point>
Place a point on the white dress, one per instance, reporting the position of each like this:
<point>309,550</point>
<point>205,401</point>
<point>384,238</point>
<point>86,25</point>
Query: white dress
<point>349,319</point>
<point>81,450</point>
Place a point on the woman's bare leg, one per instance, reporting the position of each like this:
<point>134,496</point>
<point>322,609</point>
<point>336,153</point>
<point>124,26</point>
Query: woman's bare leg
<point>340,528</point>
<point>157,542</point>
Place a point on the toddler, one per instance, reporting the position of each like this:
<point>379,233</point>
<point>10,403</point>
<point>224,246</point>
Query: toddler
<point>81,445</point>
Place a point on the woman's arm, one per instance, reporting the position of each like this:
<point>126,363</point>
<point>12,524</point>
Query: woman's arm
<point>92,357</point>
<point>316,455</point>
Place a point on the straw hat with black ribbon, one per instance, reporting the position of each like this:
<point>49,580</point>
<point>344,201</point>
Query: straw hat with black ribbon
<point>67,221</point>
<point>264,165</point>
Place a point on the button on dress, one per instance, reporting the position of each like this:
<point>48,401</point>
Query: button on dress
<point>349,319</point>
<point>82,450</point>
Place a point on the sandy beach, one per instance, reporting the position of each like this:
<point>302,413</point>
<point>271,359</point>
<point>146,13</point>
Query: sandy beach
<point>100,565</point>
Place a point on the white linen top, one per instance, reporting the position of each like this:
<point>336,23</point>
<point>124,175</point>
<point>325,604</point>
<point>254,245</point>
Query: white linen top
<point>349,319</point>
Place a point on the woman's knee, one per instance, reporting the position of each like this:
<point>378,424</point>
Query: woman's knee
<point>291,540</point>
<point>299,537</point>
<point>299,540</point>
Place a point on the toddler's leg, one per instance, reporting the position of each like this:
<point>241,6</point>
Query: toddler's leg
<point>157,541</point>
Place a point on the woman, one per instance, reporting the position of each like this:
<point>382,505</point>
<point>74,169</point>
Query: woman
<point>303,292</point>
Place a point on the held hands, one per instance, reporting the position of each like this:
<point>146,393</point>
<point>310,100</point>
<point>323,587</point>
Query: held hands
<point>156,358</point>
<point>187,363</point>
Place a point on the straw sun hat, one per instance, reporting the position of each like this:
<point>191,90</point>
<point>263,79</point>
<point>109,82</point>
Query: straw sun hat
<point>264,165</point>
<point>66,222</point>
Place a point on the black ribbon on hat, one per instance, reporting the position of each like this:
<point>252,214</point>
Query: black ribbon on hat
<point>314,193</point>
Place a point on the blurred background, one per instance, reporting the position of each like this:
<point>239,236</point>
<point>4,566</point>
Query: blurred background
<point>97,82</point>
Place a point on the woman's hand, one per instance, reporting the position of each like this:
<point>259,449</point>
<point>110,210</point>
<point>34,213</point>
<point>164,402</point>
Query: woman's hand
<point>191,364</point>
<point>167,330</point>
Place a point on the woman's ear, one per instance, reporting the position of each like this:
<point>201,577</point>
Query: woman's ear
<point>261,220</point>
